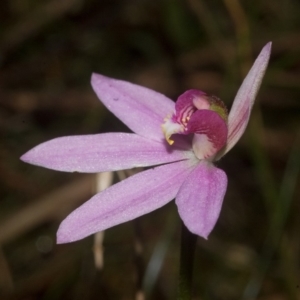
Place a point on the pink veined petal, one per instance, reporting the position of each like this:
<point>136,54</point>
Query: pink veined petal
<point>210,133</point>
<point>185,106</point>
<point>200,198</point>
<point>102,152</point>
<point>189,102</point>
<point>141,109</point>
<point>124,201</point>
<point>240,111</point>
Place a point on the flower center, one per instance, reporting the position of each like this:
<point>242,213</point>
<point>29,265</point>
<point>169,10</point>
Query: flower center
<point>202,115</point>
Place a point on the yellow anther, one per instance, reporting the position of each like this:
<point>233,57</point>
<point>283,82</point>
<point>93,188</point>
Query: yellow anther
<point>170,142</point>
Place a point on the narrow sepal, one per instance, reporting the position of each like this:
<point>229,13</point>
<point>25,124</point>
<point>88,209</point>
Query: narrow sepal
<point>200,198</point>
<point>102,152</point>
<point>141,109</point>
<point>241,108</point>
<point>124,201</point>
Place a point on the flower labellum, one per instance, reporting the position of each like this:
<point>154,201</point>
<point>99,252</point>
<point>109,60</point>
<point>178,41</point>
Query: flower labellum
<point>181,140</point>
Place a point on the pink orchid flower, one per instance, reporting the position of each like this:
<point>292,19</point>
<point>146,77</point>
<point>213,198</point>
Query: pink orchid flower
<point>182,140</point>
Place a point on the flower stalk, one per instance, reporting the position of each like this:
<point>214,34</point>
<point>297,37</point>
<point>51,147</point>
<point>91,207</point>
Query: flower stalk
<point>187,253</point>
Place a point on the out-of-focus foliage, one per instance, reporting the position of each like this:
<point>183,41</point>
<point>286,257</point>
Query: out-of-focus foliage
<point>49,50</point>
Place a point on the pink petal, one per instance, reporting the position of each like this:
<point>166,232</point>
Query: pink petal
<point>210,133</point>
<point>102,152</point>
<point>124,201</point>
<point>200,198</point>
<point>189,102</point>
<point>141,109</point>
<point>240,111</point>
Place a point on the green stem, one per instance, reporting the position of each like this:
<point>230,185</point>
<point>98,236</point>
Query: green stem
<point>188,245</point>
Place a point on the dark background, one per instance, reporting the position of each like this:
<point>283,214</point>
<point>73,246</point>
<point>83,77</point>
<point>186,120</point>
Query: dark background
<point>48,50</point>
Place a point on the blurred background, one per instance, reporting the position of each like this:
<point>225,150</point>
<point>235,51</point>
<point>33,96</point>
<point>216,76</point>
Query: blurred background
<point>49,50</point>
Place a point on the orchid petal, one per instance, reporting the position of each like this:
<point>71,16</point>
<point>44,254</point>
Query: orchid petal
<point>200,198</point>
<point>124,201</point>
<point>188,102</point>
<point>240,111</point>
<point>210,133</point>
<point>141,109</point>
<point>102,152</point>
